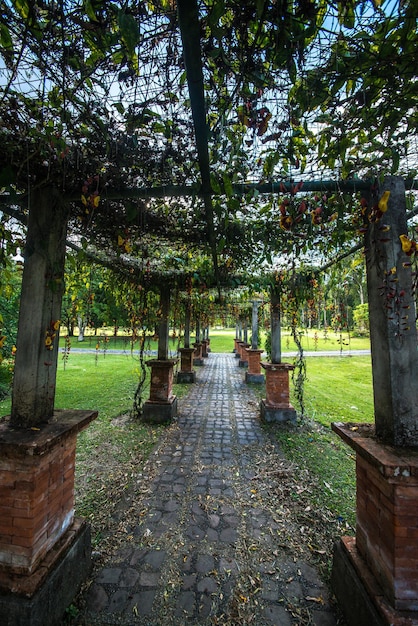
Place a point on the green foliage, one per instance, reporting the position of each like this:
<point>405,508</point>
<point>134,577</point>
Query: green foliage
<point>361,319</point>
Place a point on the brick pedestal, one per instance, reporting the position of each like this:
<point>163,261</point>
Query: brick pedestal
<point>205,344</point>
<point>37,525</point>
<point>197,356</point>
<point>162,404</point>
<point>186,373</point>
<point>243,358</point>
<point>276,407</point>
<point>238,348</point>
<point>254,375</point>
<point>384,554</point>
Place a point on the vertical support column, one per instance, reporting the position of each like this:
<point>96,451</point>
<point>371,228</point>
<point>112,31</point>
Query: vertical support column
<point>393,334</point>
<point>254,325</point>
<point>186,373</point>
<point>276,406</point>
<point>198,358</point>
<point>254,375</point>
<point>162,404</point>
<point>243,361</point>
<point>41,541</point>
<point>40,310</point>
<point>275,324</point>
<point>375,574</point>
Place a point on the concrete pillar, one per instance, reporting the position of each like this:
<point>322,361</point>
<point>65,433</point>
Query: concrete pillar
<point>276,339</point>
<point>393,334</point>
<point>186,373</point>
<point>187,319</point>
<point>162,403</point>
<point>375,573</point>
<point>42,543</point>
<point>40,310</point>
<point>254,325</point>
<point>276,406</point>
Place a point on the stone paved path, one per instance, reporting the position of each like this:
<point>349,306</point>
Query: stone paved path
<point>202,549</point>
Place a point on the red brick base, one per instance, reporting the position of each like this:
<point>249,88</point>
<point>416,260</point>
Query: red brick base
<point>277,384</point>
<point>36,489</point>
<point>387,513</point>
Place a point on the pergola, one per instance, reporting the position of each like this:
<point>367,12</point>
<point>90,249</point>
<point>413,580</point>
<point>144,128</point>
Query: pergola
<point>167,126</point>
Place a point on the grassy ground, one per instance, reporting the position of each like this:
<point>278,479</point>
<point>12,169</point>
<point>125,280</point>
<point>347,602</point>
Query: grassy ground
<point>222,340</point>
<point>337,389</point>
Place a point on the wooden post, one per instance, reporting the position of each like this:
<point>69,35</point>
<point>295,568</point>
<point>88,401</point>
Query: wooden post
<point>40,310</point>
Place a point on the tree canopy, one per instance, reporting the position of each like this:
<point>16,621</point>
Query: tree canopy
<point>163,124</point>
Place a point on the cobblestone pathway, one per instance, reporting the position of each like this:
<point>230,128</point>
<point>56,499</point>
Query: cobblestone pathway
<point>203,550</point>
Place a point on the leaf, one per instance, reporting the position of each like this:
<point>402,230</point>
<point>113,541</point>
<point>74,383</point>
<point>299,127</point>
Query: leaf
<point>227,184</point>
<point>88,7</point>
<point>22,7</point>
<point>129,32</point>
<point>5,38</point>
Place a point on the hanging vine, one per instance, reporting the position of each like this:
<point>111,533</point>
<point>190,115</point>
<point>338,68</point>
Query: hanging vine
<point>297,287</point>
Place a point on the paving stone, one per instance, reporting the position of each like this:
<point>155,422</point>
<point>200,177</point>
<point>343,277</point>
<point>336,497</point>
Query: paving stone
<point>129,577</point>
<point>214,520</point>
<point>137,556</point>
<point>109,576</point>
<point>97,599</point>
<point>189,581</point>
<point>140,603</point>
<point>270,590</point>
<point>205,563</point>
<point>205,606</point>
<point>229,535</point>
<point>149,579</point>
<point>118,600</point>
<point>277,615</point>
<point>155,558</point>
<point>228,565</point>
<point>186,604</point>
<point>195,532</point>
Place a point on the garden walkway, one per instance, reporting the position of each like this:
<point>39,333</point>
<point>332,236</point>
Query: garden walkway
<point>210,533</point>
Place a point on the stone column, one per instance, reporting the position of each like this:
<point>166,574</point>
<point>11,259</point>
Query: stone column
<point>276,406</point>
<point>375,574</point>
<point>238,339</point>
<point>162,403</point>
<point>186,373</point>
<point>198,357</point>
<point>254,375</point>
<point>41,541</point>
<point>40,311</point>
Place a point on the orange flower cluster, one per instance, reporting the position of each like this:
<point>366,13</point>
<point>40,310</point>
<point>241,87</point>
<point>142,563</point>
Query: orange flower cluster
<point>409,246</point>
<point>50,334</point>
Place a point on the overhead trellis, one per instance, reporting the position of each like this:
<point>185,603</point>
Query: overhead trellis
<point>186,127</point>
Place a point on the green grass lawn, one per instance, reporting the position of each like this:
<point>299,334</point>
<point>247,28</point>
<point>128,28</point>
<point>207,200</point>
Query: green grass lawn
<point>337,389</point>
<point>222,340</point>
